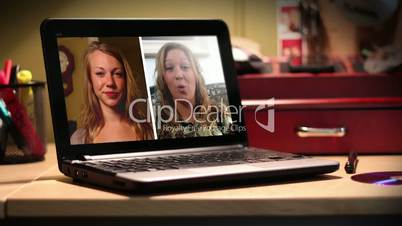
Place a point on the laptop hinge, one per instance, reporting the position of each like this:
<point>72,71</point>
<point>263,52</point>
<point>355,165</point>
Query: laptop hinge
<point>161,152</point>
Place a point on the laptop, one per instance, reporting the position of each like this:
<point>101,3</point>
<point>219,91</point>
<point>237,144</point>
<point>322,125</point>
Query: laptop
<point>146,105</point>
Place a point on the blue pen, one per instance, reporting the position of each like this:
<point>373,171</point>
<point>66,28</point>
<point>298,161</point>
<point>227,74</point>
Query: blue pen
<point>8,121</point>
<point>4,117</point>
<point>4,113</point>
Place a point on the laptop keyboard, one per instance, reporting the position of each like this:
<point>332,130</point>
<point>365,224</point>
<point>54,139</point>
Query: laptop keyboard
<point>182,161</point>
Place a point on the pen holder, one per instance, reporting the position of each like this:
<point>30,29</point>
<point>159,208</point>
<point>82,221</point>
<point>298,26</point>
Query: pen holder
<point>22,119</point>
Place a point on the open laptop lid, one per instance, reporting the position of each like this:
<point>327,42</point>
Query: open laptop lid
<point>64,42</point>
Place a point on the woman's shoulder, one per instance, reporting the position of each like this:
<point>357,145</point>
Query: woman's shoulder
<point>78,137</point>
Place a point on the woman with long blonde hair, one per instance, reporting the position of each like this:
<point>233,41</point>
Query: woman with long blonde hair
<point>181,87</point>
<point>110,89</point>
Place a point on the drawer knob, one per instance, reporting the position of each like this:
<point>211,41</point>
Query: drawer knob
<point>304,131</point>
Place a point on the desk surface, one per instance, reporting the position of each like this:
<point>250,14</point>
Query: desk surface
<point>39,189</point>
<point>15,176</point>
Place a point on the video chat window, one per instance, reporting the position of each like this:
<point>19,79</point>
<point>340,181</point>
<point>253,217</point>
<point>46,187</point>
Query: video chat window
<point>143,88</point>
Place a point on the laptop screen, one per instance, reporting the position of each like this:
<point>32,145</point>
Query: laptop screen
<point>136,88</point>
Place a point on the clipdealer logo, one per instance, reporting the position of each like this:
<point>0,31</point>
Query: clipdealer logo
<point>262,107</point>
<point>270,126</point>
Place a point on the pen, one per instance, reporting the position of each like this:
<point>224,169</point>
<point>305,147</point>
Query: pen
<point>8,64</point>
<point>2,78</point>
<point>4,113</point>
<point>26,94</point>
<point>5,116</point>
<point>14,72</point>
<point>351,164</point>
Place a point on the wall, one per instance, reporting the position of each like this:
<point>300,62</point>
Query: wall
<point>20,21</point>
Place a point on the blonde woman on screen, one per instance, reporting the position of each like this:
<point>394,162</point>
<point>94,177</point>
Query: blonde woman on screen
<point>180,85</point>
<point>110,88</point>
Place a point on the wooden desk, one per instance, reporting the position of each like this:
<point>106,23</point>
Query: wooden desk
<point>15,176</point>
<point>52,194</point>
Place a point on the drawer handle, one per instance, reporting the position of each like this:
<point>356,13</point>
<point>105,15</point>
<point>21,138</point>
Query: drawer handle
<point>304,131</point>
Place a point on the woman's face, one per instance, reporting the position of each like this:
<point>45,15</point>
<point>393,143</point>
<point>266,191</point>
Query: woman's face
<point>179,75</point>
<point>108,79</point>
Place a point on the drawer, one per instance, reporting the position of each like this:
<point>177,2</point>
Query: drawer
<point>366,130</point>
<point>294,86</point>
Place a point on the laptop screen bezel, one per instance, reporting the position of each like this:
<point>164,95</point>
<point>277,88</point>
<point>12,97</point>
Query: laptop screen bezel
<point>51,29</point>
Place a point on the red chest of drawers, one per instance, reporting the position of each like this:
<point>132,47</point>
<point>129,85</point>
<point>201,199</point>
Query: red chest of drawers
<point>325,113</point>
